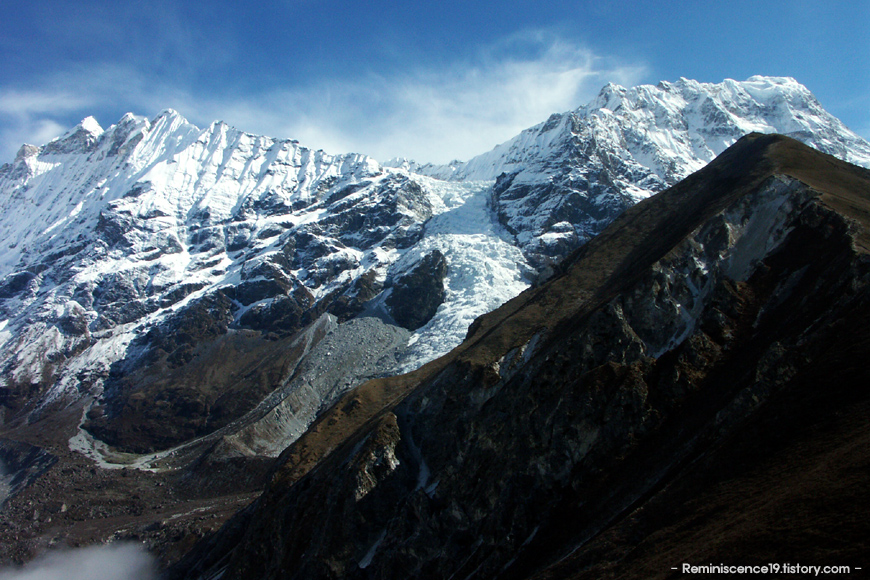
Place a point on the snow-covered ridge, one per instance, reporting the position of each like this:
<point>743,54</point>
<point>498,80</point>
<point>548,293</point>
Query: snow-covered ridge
<point>684,124</point>
<point>562,181</point>
<point>106,234</point>
<point>165,168</point>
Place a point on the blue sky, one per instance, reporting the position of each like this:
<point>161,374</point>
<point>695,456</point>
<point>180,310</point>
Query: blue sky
<point>432,81</point>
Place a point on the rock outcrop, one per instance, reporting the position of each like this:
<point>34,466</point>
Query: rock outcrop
<point>416,296</point>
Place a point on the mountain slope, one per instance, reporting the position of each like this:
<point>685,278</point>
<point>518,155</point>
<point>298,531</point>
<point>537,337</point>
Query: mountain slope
<point>584,414</point>
<point>132,253</point>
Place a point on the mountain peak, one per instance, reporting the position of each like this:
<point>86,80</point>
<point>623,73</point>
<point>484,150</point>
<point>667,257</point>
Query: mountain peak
<point>81,138</point>
<point>27,151</point>
<point>170,114</point>
<point>131,119</point>
<point>90,125</point>
<point>609,97</point>
<point>774,80</point>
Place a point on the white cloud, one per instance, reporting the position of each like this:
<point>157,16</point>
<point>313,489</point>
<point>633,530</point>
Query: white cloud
<point>439,114</point>
<point>428,114</point>
<point>29,103</point>
<point>32,131</point>
<point>112,562</point>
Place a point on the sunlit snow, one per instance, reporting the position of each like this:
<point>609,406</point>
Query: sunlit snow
<point>484,269</point>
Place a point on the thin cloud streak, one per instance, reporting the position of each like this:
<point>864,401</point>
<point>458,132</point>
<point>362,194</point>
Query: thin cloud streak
<point>28,103</point>
<point>430,115</point>
<point>31,117</point>
<point>454,113</point>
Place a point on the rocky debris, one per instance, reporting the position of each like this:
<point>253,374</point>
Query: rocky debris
<point>197,487</point>
<point>346,356</point>
<point>73,503</point>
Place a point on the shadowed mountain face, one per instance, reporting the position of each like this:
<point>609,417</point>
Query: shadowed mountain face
<point>690,387</point>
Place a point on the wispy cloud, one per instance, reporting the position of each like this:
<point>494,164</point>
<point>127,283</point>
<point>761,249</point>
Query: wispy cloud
<point>453,112</point>
<point>113,562</point>
<point>32,117</point>
<point>430,114</point>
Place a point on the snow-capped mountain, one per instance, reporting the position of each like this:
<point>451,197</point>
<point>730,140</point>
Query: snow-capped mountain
<point>562,181</point>
<point>178,306</point>
<point>138,244</point>
<point>152,246</point>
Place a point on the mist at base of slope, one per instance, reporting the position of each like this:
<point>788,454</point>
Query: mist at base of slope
<point>111,562</point>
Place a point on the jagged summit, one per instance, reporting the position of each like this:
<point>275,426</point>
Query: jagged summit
<point>173,114</point>
<point>560,182</point>
<point>686,121</point>
<point>90,125</point>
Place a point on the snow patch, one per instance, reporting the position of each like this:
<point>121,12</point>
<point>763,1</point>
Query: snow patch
<point>367,559</point>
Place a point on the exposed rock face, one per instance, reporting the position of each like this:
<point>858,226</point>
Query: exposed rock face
<point>708,331</point>
<point>416,296</point>
<point>20,465</point>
